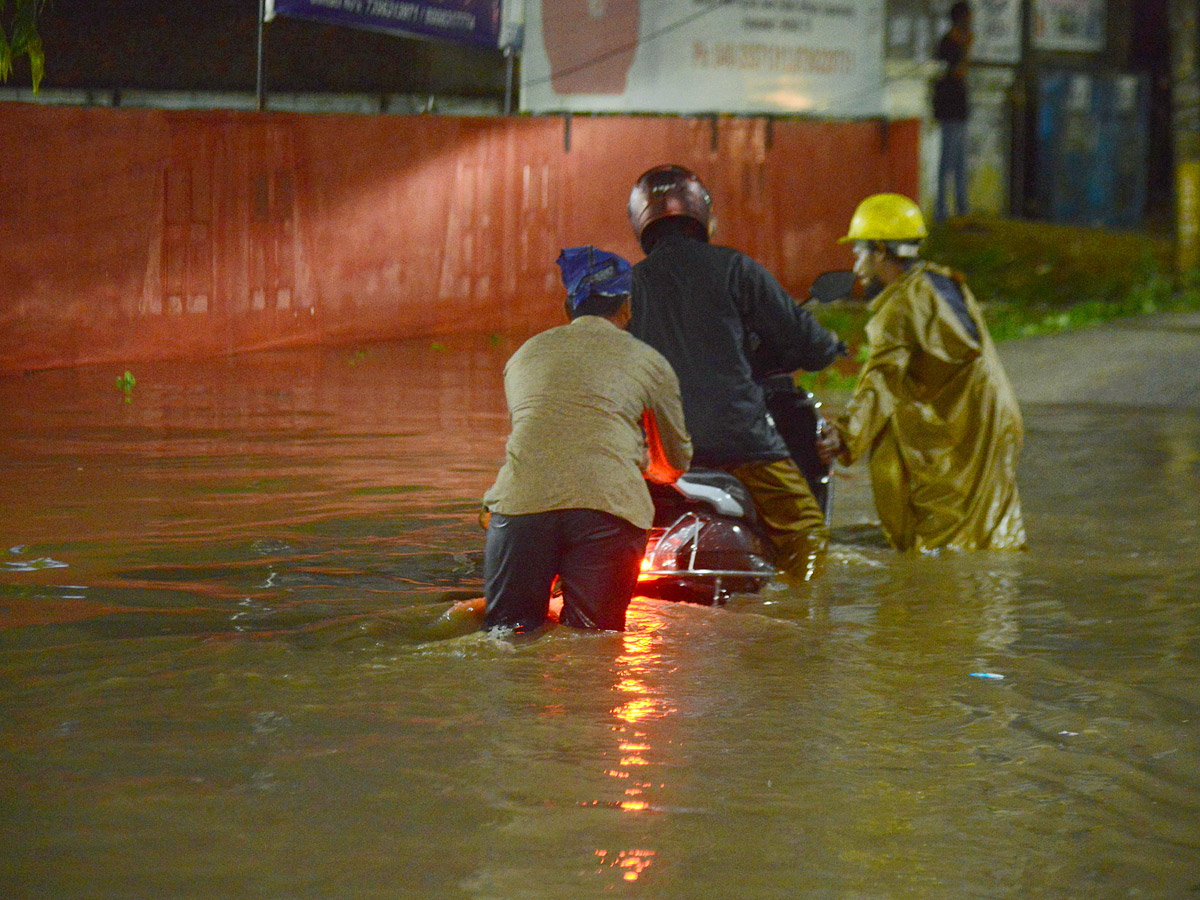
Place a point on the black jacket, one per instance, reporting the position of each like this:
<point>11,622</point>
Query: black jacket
<point>950,103</point>
<point>702,307</point>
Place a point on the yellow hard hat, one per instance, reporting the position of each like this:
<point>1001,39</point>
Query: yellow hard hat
<point>886,217</point>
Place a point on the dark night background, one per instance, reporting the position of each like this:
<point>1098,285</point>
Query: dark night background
<point>210,45</point>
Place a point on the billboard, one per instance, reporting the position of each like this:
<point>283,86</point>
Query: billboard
<point>821,57</point>
<point>465,21</point>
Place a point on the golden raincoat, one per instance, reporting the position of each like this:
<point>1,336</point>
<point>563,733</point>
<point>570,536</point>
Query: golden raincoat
<point>937,414</point>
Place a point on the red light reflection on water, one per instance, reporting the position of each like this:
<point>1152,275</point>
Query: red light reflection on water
<point>631,863</point>
<point>640,656</point>
<point>641,706</point>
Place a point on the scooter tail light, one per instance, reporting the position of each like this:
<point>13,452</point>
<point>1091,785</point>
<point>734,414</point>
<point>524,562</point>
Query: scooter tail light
<point>665,555</point>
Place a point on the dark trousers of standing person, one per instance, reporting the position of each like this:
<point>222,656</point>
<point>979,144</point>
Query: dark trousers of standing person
<point>597,557</point>
<point>952,165</point>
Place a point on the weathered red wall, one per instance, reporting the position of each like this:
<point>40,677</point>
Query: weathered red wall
<point>146,234</point>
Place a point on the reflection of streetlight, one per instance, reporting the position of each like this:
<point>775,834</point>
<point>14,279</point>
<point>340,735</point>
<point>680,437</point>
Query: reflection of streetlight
<point>640,656</point>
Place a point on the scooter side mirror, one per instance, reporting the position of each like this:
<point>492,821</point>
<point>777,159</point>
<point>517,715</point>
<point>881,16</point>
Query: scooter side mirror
<point>830,286</point>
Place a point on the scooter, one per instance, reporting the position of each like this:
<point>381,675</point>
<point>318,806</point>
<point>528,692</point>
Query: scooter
<point>706,543</point>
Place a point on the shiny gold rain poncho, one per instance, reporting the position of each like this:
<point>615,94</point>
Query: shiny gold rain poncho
<point>937,414</point>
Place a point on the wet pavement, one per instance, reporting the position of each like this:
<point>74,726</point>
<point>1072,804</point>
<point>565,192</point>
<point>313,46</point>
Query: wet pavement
<point>1151,360</point>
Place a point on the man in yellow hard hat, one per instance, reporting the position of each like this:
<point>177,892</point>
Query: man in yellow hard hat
<point>933,407</point>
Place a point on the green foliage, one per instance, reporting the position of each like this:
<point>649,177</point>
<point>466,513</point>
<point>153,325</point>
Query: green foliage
<point>19,37</point>
<point>1040,264</point>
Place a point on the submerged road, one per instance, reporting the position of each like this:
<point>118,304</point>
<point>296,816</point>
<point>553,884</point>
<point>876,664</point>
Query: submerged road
<point>1151,360</point>
<point>225,599</point>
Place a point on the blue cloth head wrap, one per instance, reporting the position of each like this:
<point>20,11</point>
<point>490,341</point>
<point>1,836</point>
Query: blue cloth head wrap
<point>588,272</point>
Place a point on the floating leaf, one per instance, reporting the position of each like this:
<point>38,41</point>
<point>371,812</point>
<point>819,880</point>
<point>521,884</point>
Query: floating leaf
<point>125,383</point>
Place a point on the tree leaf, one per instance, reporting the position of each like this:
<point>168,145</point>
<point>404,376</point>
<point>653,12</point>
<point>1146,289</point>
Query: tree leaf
<point>22,40</point>
<point>37,60</point>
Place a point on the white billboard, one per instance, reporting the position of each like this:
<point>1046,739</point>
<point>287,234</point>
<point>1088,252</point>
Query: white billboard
<point>822,57</point>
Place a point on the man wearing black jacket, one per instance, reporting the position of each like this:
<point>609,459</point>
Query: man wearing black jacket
<point>704,307</point>
<point>951,108</point>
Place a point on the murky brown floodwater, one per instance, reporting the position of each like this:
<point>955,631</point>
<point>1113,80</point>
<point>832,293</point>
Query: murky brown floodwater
<point>228,668</point>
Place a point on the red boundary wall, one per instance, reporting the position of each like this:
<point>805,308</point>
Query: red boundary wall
<point>129,235</point>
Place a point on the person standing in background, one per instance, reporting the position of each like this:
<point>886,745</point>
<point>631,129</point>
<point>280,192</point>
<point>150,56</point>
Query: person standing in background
<point>951,108</point>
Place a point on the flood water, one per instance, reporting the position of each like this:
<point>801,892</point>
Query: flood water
<point>231,667</point>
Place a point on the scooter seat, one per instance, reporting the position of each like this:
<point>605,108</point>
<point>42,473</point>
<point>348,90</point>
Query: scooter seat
<point>717,488</point>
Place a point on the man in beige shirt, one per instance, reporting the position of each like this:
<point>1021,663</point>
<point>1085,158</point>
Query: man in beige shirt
<point>594,412</point>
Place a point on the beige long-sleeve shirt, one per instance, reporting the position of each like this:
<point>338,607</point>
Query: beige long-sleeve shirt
<point>592,408</point>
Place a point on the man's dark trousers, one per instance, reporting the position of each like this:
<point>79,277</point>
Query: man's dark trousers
<point>596,555</point>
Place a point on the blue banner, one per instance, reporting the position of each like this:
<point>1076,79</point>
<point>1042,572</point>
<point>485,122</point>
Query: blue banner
<point>474,22</point>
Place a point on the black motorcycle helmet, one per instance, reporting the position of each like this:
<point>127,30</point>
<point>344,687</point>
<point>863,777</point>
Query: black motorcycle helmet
<point>669,193</point>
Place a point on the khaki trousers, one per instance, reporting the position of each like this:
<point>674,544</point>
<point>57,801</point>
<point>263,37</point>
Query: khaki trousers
<point>789,514</point>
